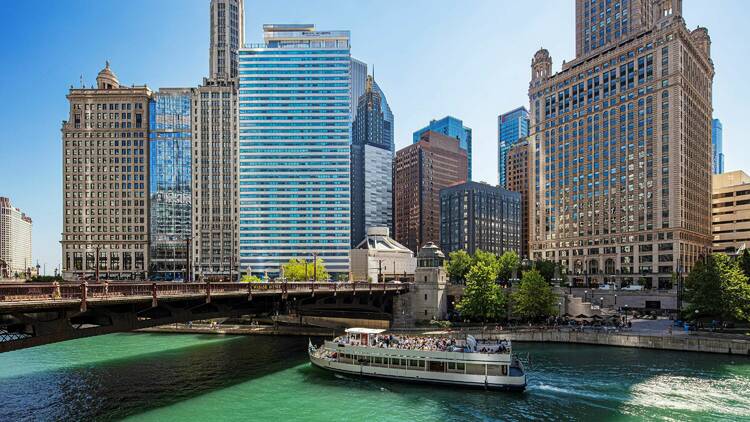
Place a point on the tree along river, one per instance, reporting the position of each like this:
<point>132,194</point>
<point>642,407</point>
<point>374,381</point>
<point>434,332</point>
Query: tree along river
<point>180,377</point>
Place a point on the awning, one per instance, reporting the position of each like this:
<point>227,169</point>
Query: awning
<point>363,331</point>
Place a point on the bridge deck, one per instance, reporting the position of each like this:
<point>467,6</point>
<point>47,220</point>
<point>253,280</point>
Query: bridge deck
<point>47,296</point>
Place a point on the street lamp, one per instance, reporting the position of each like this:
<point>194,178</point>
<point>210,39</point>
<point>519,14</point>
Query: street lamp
<point>559,309</point>
<point>626,314</point>
<point>615,299</point>
<point>585,295</point>
<point>601,302</point>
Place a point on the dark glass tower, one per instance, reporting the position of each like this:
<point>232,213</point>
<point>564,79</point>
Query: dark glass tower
<point>372,158</point>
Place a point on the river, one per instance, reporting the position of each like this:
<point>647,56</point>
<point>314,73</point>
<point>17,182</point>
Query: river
<point>181,377</point>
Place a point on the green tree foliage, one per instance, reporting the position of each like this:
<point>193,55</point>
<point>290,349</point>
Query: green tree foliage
<point>294,270</point>
<point>507,265</point>
<point>483,299</point>
<point>718,288</point>
<point>250,279</point>
<point>459,263</point>
<point>534,298</point>
<point>546,268</point>
<point>487,258</point>
<point>745,262</point>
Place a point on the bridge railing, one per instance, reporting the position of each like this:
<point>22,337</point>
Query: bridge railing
<point>77,291</point>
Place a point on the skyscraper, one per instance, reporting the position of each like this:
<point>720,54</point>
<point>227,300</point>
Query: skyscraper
<point>620,144</point>
<point>730,207</point>
<point>511,127</point>
<point>15,240</point>
<point>517,180</point>
<point>215,233</point>
<point>420,171</point>
<point>170,182</point>
<point>388,122</point>
<point>476,216</point>
<point>371,166</point>
<point>106,180</point>
<point>452,127</point>
<point>295,152</point>
<point>359,80</point>
<point>601,23</point>
<point>227,36</point>
<point>717,147</point>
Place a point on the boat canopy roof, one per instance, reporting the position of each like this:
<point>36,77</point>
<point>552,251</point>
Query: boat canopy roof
<point>363,331</point>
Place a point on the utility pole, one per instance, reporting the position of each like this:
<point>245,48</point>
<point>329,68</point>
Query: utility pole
<point>307,277</point>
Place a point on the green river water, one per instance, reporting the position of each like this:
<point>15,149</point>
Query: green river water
<point>173,377</point>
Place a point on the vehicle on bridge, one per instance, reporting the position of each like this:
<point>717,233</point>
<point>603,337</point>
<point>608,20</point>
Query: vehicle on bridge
<point>435,360</point>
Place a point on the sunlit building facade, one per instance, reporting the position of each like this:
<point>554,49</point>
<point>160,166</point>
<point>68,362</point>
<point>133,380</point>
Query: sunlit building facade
<point>621,146</point>
<point>511,127</point>
<point>295,124</point>
<point>170,182</point>
<point>106,181</point>
<point>449,126</point>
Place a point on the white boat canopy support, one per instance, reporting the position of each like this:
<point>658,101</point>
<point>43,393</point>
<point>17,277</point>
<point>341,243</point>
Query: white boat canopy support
<point>363,331</point>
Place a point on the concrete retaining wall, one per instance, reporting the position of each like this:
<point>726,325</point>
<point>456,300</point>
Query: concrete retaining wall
<point>687,343</point>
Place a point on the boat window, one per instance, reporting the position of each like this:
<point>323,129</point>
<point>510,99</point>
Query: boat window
<point>437,366</point>
<point>494,370</point>
<point>415,363</point>
<point>475,369</point>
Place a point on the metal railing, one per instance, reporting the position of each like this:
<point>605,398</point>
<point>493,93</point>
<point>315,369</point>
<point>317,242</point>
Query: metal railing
<point>24,292</point>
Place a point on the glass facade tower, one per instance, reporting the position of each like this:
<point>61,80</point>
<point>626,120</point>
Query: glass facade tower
<point>511,127</point>
<point>372,164</point>
<point>295,123</point>
<point>452,127</point>
<point>717,147</point>
<point>169,182</point>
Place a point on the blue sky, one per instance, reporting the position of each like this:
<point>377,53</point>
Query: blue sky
<point>469,59</point>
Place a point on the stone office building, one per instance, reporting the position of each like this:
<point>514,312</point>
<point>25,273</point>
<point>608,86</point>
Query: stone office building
<point>106,181</point>
<point>621,145</point>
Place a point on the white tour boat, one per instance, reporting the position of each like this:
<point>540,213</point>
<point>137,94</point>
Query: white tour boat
<point>440,360</point>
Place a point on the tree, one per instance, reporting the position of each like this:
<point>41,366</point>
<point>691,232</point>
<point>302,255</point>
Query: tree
<point>300,270</point>
<point>459,263</point>
<point>717,287</point>
<point>546,268</point>
<point>507,265</point>
<point>250,279</point>
<point>486,258</point>
<point>744,259</point>
<point>534,298</point>
<point>483,298</point>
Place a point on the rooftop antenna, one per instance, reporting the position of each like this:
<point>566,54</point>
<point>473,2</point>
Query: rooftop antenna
<point>82,86</point>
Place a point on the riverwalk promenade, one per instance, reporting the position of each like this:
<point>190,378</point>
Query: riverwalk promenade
<point>647,336</point>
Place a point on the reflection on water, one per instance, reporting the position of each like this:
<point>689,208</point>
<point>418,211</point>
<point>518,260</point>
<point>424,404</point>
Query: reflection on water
<point>170,377</point>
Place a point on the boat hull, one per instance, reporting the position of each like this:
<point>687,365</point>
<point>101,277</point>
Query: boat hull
<point>422,377</point>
